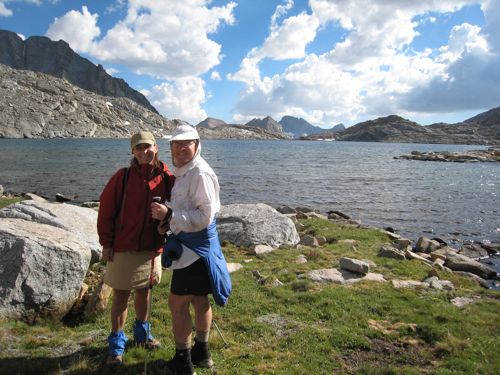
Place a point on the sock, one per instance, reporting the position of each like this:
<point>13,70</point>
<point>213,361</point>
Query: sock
<point>183,345</point>
<point>202,336</point>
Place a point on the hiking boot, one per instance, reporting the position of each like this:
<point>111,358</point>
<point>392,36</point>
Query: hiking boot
<point>114,360</point>
<point>117,342</point>
<point>181,363</point>
<point>141,330</point>
<point>200,355</point>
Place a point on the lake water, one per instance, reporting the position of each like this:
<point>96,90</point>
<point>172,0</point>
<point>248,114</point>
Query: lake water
<point>448,200</point>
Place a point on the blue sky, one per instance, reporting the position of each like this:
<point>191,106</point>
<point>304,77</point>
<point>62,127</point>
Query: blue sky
<point>327,61</point>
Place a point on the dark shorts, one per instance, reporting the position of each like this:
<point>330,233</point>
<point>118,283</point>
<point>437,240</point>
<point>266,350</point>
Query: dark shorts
<point>191,280</point>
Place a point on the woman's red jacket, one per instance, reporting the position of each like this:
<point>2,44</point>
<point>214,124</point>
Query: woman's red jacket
<point>124,222</point>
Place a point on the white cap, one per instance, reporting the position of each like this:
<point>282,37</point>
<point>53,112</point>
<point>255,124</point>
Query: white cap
<point>184,133</point>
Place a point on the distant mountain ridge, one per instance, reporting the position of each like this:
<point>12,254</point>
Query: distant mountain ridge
<point>38,105</point>
<point>211,123</point>
<point>300,127</point>
<point>34,106</point>
<point>481,129</point>
<point>214,128</point>
<point>267,123</point>
<point>40,54</point>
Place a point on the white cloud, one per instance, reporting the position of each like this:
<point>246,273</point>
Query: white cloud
<point>249,70</point>
<point>290,40</point>
<point>464,39</point>
<point>491,31</point>
<point>215,75</point>
<point>116,5</point>
<point>181,99</point>
<point>287,41</point>
<point>280,11</point>
<point>4,11</point>
<point>77,29</point>
<point>373,70</point>
<point>167,39</point>
<point>471,77</point>
<point>112,71</point>
<point>316,84</point>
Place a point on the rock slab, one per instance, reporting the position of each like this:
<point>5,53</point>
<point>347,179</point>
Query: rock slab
<point>80,221</point>
<point>42,269</point>
<point>248,225</point>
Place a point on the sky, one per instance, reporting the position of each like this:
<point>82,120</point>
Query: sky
<point>326,61</point>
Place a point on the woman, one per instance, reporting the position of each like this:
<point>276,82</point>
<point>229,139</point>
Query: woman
<point>193,251</point>
<point>131,243</point>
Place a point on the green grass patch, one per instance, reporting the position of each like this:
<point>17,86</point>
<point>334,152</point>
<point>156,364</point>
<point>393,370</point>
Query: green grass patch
<point>279,322</point>
<point>5,201</point>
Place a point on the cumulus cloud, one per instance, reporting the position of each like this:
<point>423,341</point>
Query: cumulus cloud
<point>280,11</point>
<point>471,75</point>
<point>164,39</point>
<point>4,11</point>
<point>290,39</point>
<point>374,70</point>
<point>492,30</point>
<point>215,75</point>
<point>181,99</point>
<point>464,39</point>
<point>81,37</point>
<point>287,41</point>
<point>167,39</point>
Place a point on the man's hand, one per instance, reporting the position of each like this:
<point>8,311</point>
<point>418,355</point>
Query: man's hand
<point>107,254</point>
<point>158,211</point>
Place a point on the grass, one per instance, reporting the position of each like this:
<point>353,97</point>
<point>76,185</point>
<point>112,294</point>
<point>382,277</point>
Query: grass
<point>5,201</point>
<point>299,327</point>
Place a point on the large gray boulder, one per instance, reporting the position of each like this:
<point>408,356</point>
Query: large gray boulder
<point>79,221</point>
<point>42,268</point>
<point>458,262</point>
<point>248,225</point>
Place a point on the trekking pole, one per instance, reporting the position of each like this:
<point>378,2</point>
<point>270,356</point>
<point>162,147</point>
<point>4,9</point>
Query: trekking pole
<point>151,281</point>
<point>148,316</point>
<point>220,334</point>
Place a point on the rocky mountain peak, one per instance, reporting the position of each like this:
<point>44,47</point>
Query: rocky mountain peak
<point>40,54</point>
<point>267,123</point>
<point>491,117</point>
<point>211,123</point>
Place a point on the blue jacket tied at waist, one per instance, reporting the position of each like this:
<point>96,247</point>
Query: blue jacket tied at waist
<point>206,244</point>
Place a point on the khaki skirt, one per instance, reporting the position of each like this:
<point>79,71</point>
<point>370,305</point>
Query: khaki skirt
<point>130,270</point>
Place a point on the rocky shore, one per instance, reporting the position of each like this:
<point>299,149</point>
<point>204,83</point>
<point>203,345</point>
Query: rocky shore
<point>492,154</point>
<point>52,250</point>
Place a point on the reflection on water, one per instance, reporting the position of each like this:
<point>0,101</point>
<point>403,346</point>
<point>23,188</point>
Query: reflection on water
<point>448,200</point>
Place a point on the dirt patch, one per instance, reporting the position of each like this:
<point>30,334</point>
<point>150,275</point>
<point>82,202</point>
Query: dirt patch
<point>383,354</point>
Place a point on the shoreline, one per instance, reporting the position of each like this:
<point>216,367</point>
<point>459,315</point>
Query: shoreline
<point>61,198</point>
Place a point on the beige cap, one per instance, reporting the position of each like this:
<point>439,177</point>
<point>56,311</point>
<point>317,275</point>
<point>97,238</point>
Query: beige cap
<point>142,137</point>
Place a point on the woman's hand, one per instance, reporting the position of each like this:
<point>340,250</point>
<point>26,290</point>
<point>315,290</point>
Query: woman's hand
<point>107,254</point>
<point>158,211</point>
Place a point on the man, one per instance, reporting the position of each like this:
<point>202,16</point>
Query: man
<point>192,251</point>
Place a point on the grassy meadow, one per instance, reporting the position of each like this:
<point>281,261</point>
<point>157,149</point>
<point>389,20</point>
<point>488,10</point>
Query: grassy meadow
<point>296,327</point>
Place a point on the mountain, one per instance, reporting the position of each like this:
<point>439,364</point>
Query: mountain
<point>482,129</point>
<point>211,123</point>
<point>488,118</point>
<point>386,129</point>
<point>38,105</point>
<point>40,54</point>
<point>300,127</point>
<point>212,128</point>
<point>267,123</point>
<point>234,131</point>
